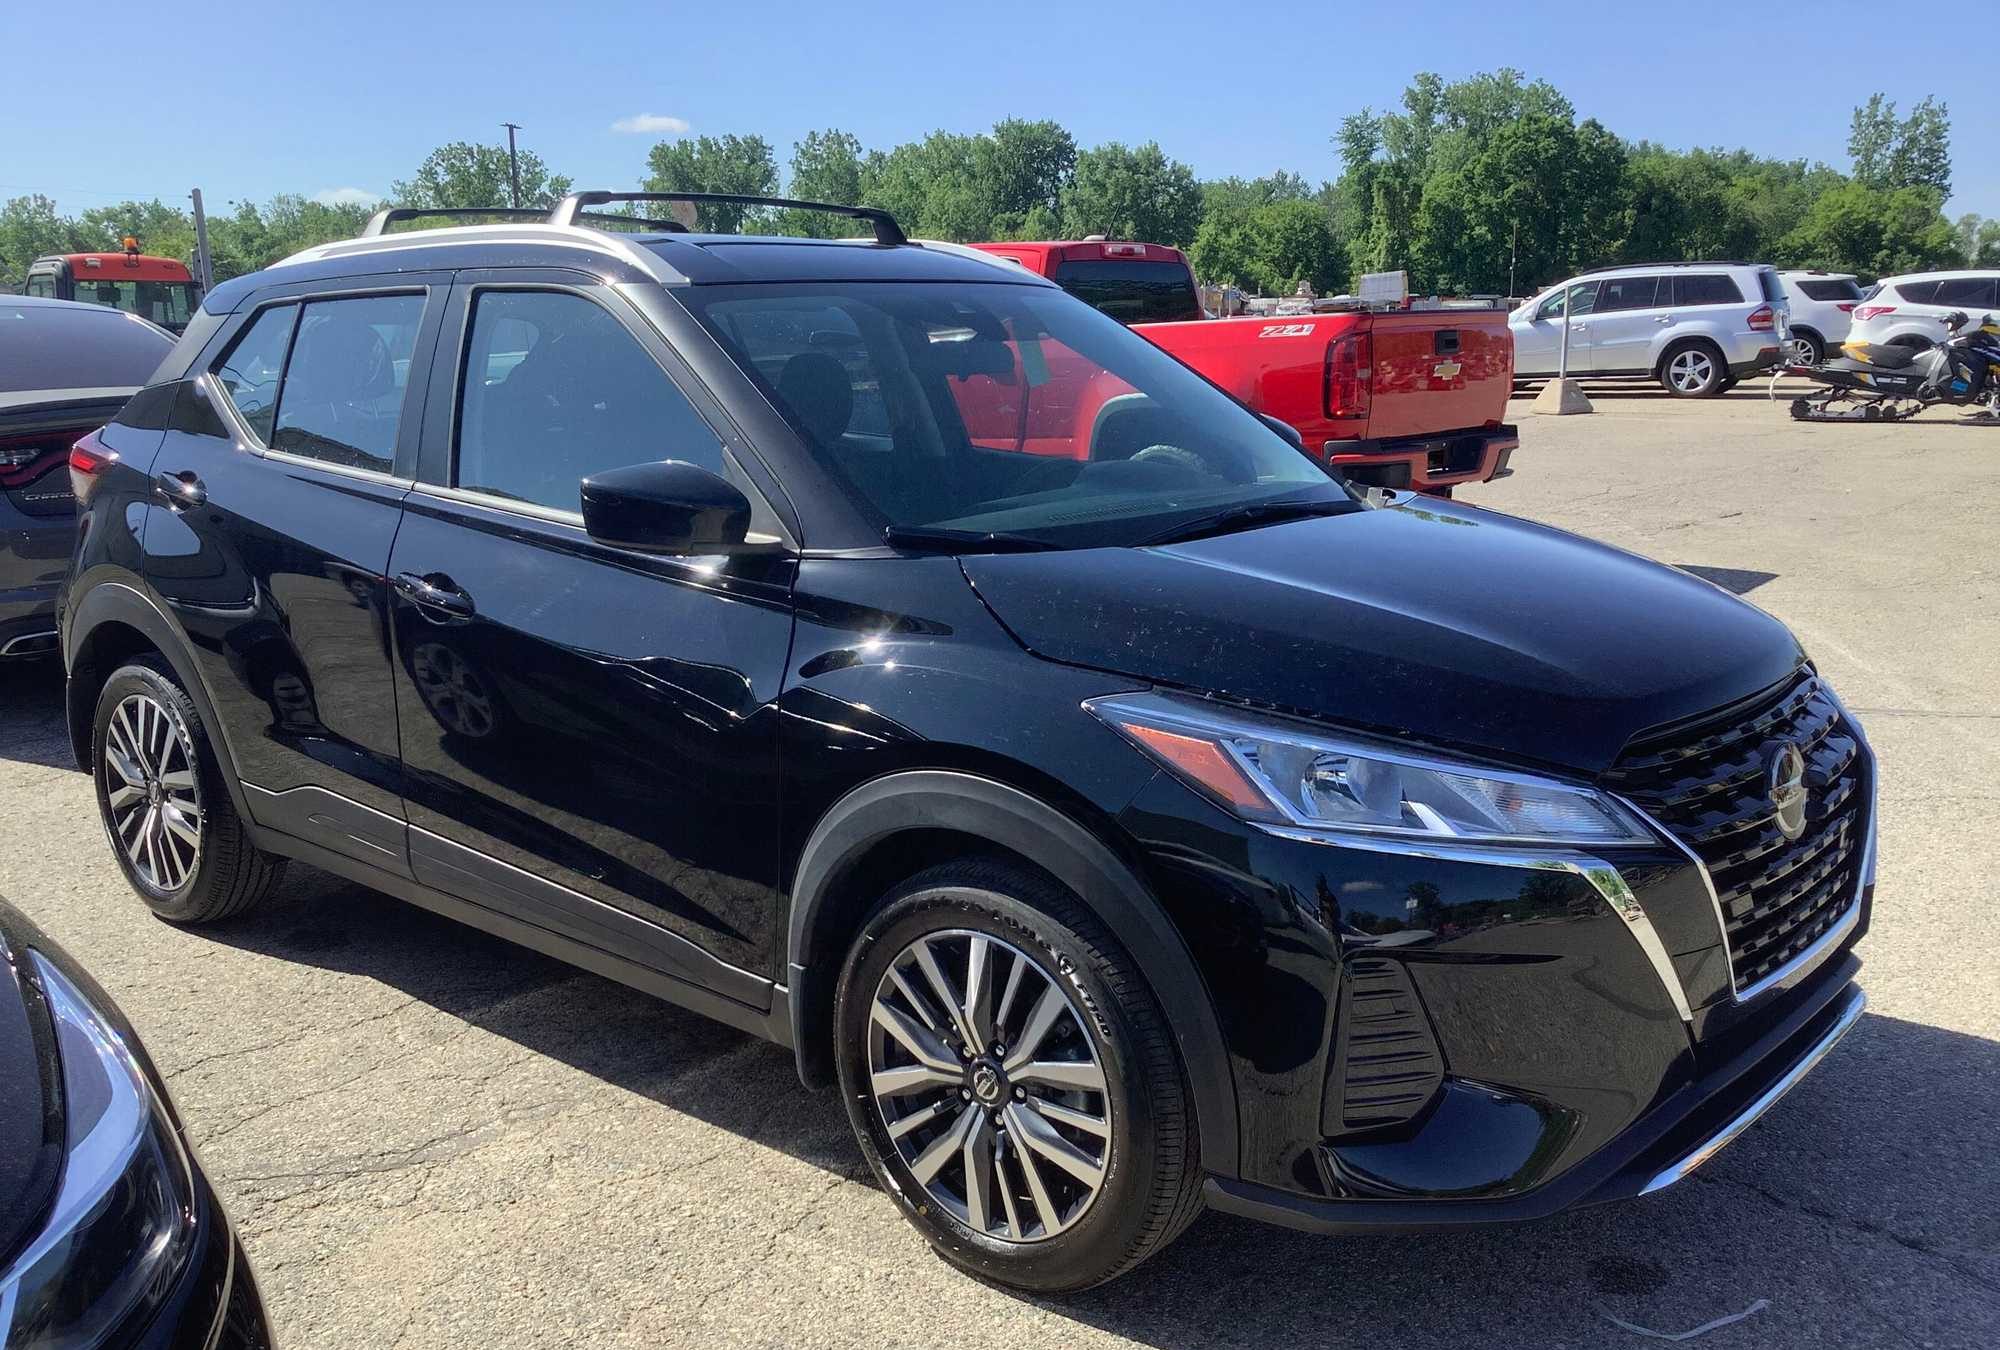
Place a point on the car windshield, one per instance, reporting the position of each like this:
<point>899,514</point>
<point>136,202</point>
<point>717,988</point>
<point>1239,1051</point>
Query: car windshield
<point>166,303</point>
<point>1004,410</point>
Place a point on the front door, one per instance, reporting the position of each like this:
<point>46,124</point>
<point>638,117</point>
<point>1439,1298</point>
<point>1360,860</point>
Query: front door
<point>280,486</point>
<point>1538,343</point>
<point>589,734</point>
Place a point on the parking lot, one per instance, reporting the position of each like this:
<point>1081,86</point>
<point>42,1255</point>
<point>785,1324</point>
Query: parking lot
<point>431,1138</point>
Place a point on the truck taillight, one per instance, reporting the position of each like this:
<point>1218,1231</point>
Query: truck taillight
<point>88,459</point>
<point>1350,375</point>
<point>1763,319</point>
<point>1867,312</point>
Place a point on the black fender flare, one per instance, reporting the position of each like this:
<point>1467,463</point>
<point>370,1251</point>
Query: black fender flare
<point>941,799</point>
<point>121,602</point>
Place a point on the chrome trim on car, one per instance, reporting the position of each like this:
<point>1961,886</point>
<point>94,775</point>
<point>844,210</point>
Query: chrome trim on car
<point>48,635</point>
<point>1603,876</point>
<point>1707,882</point>
<point>1850,1013</point>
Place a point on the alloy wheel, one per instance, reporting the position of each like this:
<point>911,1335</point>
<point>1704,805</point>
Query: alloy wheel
<point>990,1085</point>
<point>1800,352</point>
<point>1691,370</point>
<point>150,790</point>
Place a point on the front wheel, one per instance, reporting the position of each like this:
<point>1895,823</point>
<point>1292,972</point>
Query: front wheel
<point>1694,370</point>
<point>1013,1081</point>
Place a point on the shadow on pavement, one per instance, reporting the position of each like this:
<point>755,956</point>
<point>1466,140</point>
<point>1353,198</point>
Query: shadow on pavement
<point>31,713</point>
<point>1876,1179</point>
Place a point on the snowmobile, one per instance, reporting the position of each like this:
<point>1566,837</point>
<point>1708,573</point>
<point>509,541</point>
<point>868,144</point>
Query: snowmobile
<point>1873,382</point>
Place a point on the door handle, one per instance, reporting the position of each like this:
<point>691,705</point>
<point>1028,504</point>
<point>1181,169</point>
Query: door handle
<point>1579,328</point>
<point>435,591</point>
<point>180,490</point>
<point>1664,318</point>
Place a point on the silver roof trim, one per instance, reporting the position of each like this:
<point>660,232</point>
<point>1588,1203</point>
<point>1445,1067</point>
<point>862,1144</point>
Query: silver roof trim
<point>595,241</point>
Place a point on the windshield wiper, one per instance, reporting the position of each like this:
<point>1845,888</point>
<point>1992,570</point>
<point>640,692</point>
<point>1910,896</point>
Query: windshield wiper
<point>940,539</point>
<point>1250,514</point>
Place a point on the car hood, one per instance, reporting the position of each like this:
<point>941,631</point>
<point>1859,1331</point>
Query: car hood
<point>1425,619</point>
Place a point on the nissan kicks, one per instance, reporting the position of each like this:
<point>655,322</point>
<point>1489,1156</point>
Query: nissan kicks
<point>1125,815</point>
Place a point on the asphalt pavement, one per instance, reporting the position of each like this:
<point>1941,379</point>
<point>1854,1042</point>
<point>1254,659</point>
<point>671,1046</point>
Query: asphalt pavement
<point>431,1138</point>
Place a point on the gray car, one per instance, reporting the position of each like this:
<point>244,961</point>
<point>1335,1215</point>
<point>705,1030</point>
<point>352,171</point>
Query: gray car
<point>65,369</point>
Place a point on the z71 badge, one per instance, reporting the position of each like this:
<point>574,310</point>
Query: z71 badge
<point>1285,330</point>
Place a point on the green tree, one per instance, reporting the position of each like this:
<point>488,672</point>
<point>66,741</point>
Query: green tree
<point>1892,152</point>
<point>933,187</point>
<point>1025,165</point>
<point>1133,193</point>
<point>826,167</point>
<point>1876,231</point>
<point>1978,240</point>
<point>463,174</point>
<point>29,228</point>
<point>1271,247</point>
<point>743,165</point>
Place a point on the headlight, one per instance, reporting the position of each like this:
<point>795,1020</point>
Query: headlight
<point>1280,774</point>
<point>122,1225</point>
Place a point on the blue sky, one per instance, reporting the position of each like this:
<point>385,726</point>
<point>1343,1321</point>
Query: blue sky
<point>352,95</point>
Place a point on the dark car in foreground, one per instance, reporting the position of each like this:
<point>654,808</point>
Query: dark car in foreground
<point>65,370</point>
<point>109,1233</point>
<point>1154,823</point>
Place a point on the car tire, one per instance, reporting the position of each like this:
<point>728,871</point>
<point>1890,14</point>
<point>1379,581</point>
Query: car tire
<point>166,809</point>
<point>1806,349</point>
<point>1037,1221</point>
<point>1693,370</point>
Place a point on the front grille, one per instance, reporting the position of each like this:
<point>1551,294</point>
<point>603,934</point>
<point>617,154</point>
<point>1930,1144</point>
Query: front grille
<point>1709,783</point>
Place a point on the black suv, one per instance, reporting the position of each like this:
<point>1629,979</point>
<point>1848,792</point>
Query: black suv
<point>871,646</point>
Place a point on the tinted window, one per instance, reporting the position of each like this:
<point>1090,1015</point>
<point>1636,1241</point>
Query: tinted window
<point>43,285</point>
<point>556,389</point>
<point>343,389</point>
<point>1839,290</point>
<point>249,373</point>
<point>1773,289</point>
<point>1977,291</point>
<point>56,347</point>
<point>1133,292</point>
<point>1627,293</point>
<point>1918,292</point>
<point>1586,300</point>
<point>1706,288</point>
<point>1128,440</point>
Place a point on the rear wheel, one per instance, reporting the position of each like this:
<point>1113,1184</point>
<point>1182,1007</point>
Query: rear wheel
<point>165,807</point>
<point>1804,348</point>
<point>1013,1081</point>
<point>1693,370</point>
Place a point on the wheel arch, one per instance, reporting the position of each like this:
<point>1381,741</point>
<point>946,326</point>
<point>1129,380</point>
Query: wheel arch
<point>1698,338</point>
<point>112,623</point>
<point>895,825</point>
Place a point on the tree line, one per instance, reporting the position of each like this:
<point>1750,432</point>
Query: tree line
<point>1486,185</point>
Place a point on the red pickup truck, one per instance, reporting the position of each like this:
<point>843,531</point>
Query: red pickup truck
<point>1396,398</point>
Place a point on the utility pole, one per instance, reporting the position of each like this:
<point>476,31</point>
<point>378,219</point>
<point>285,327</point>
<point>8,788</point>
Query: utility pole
<point>203,271</point>
<point>513,162</point>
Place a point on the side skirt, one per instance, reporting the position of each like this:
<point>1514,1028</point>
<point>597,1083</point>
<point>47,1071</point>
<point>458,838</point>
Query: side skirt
<point>773,1025</point>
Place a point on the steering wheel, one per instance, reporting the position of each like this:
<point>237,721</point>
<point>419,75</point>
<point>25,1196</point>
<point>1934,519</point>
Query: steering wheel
<point>1162,453</point>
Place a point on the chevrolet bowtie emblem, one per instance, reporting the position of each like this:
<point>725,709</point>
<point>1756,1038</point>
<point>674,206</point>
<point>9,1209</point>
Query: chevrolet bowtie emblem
<point>1446,370</point>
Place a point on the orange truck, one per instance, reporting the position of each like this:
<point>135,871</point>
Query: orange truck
<point>160,290</point>
<point>1389,395</point>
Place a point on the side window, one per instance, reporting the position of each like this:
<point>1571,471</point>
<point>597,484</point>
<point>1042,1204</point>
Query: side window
<point>249,373</point>
<point>1976,292</point>
<point>343,392</point>
<point>1918,292</point>
<point>43,285</point>
<point>1707,288</point>
<point>557,389</point>
<point>1586,301</point>
<point>1627,293</point>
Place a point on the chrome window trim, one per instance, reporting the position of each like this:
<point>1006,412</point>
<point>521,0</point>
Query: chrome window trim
<point>1850,1013</point>
<point>1604,878</point>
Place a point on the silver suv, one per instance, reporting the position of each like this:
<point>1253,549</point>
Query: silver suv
<point>1695,327</point>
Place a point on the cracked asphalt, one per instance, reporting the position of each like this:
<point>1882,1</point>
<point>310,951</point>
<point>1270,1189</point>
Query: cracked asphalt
<point>430,1138</point>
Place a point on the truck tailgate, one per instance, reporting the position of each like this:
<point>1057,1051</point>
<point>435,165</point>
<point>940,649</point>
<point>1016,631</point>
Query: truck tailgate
<point>1437,370</point>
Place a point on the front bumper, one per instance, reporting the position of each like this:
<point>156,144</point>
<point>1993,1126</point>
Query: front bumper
<point>1427,463</point>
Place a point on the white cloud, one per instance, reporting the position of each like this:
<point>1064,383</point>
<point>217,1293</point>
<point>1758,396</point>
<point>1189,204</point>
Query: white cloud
<point>650,124</point>
<point>346,196</point>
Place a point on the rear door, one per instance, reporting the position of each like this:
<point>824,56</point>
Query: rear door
<point>278,492</point>
<point>1626,324</point>
<point>589,734</point>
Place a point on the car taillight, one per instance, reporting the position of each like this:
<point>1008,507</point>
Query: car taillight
<point>1763,319</point>
<point>1844,306</point>
<point>88,459</point>
<point>1350,375</point>
<point>1867,312</point>
<point>22,461</point>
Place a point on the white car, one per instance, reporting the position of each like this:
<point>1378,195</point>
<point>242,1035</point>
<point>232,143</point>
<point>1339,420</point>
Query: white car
<point>1909,311</point>
<point>1822,311</point>
<point>1695,327</point>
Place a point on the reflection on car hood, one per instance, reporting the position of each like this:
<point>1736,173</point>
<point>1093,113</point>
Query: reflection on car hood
<point>1429,619</point>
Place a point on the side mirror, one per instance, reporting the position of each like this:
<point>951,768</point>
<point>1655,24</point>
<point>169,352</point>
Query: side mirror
<point>1285,429</point>
<point>669,507</point>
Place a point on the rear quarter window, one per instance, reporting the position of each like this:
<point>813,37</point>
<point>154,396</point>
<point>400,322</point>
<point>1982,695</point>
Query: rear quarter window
<point>1843,288</point>
<point>1918,292</point>
<point>1707,288</point>
<point>1773,289</point>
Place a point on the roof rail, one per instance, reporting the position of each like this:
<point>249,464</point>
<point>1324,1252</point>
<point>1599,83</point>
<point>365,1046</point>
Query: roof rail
<point>1705,262</point>
<point>380,222</point>
<point>887,231</point>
